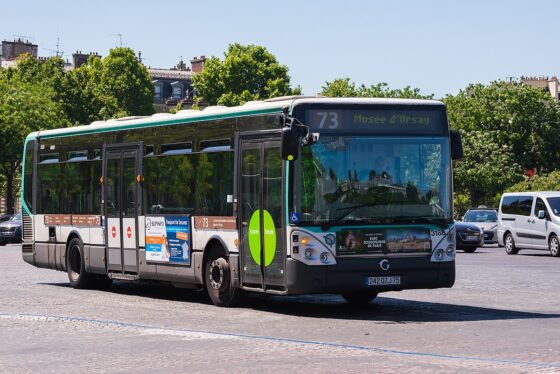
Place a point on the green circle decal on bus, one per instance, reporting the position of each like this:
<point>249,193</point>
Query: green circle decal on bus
<point>254,234</point>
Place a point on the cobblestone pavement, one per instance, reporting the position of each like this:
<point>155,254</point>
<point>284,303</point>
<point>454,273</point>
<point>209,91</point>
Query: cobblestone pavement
<point>502,315</point>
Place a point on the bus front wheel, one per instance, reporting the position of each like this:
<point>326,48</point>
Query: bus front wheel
<point>218,279</point>
<point>75,266</point>
<point>359,298</point>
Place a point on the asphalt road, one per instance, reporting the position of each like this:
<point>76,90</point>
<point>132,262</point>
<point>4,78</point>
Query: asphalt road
<point>502,315</point>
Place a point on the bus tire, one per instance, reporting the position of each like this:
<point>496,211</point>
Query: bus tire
<point>218,279</point>
<point>75,266</point>
<point>509,244</point>
<point>554,246</point>
<point>360,297</point>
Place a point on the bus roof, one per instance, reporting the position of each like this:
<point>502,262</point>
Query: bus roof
<point>218,112</point>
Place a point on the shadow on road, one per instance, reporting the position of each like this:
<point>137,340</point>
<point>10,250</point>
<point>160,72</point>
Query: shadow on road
<point>386,309</point>
<point>382,309</point>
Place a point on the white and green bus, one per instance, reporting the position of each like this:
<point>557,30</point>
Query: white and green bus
<point>293,195</point>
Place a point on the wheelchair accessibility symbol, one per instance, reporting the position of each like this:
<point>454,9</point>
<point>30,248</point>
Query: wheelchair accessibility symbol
<point>294,217</point>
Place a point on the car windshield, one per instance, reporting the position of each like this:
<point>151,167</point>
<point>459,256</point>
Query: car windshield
<point>17,217</point>
<point>481,216</point>
<point>554,203</point>
<point>353,179</point>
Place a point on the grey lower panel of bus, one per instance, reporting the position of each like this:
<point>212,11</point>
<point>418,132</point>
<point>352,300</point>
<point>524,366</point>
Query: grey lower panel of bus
<point>47,255</point>
<point>349,275</point>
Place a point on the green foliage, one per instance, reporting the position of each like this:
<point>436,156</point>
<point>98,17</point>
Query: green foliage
<point>248,72</point>
<point>116,86</point>
<point>343,87</point>
<point>24,107</point>
<point>487,167</point>
<point>540,182</point>
<point>506,127</point>
<point>521,117</point>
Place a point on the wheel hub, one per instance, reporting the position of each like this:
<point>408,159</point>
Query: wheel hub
<point>216,275</point>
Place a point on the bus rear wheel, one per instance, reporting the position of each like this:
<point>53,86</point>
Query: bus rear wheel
<point>360,297</point>
<point>75,266</point>
<point>218,279</point>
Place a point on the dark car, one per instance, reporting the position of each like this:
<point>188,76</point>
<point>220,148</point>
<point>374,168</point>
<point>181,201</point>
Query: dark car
<point>10,230</point>
<point>469,236</point>
<point>5,217</point>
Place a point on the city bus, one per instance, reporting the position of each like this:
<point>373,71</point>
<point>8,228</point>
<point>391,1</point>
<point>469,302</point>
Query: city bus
<point>293,195</point>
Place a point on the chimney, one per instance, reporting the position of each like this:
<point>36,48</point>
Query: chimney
<point>197,64</point>
<point>79,58</point>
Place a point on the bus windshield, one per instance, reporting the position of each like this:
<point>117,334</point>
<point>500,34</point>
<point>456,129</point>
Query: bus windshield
<point>370,180</point>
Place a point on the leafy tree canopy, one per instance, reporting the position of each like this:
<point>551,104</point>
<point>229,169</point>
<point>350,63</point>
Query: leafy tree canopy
<point>24,107</point>
<point>344,87</point>
<point>540,182</point>
<point>507,128</point>
<point>248,72</point>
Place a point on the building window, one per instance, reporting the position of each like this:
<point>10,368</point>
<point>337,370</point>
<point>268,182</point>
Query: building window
<point>177,90</point>
<point>158,92</point>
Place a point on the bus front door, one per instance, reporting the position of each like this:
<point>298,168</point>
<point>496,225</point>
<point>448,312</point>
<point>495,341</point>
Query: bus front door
<point>121,174</point>
<point>263,256</point>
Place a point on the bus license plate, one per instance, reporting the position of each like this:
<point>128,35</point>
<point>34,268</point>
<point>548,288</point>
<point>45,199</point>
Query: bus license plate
<point>472,237</point>
<point>383,281</point>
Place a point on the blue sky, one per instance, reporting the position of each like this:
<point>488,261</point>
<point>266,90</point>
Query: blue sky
<point>437,46</point>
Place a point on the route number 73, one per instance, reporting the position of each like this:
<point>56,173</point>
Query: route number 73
<point>328,120</point>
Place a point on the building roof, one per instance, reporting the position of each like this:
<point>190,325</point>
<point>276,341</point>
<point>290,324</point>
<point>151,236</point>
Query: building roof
<point>169,74</point>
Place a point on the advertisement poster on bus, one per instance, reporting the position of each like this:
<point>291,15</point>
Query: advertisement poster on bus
<point>375,241</point>
<point>167,239</point>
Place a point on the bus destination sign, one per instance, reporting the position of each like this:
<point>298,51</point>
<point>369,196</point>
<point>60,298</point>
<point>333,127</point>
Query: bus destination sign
<point>380,121</point>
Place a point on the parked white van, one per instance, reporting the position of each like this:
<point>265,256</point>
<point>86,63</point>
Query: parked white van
<point>529,220</point>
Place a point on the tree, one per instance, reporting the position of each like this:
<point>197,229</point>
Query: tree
<point>248,72</point>
<point>24,107</point>
<point>521,117</point>
<point>344,87</point>
<point>486,169</point>
<point>540,182</point>
<point>115,86</point>
<point>507,128</point>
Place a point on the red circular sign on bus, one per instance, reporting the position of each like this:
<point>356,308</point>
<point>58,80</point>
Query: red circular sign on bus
<point>129,232</point>
<point>114,231</point>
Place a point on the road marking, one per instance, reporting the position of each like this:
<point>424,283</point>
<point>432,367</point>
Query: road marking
<point>195,334</point>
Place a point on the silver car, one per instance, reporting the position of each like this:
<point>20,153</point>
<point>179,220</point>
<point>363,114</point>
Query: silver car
<point>487,220</point>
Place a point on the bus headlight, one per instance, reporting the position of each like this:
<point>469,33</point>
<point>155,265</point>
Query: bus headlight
<point>449,250</point>
<point>324,257</point>
<point>308,253</point>
<point>451,236</point>
<point>439,254</point>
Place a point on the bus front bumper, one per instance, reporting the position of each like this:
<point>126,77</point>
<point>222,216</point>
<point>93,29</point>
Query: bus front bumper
<point>352,275</point>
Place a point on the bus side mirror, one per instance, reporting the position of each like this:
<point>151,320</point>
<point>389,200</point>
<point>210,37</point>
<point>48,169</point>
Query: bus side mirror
<point>456,145</point>
<point>290,143</point>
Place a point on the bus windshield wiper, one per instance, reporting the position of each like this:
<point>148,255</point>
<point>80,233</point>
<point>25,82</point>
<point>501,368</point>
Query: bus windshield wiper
<point>441,222</point>
<point>347,210</point>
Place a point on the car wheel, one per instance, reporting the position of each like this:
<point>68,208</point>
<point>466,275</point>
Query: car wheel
<point>360,297</point>
<point>75,266</point>
<point>218,279</point>
<point>469,250</point>
<point>554,246</point>
<point>509,245</point>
